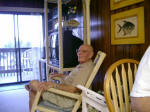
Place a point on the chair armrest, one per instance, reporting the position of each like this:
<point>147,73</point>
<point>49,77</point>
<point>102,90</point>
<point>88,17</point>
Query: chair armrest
<point>65,93</point>
<point>91,94</point>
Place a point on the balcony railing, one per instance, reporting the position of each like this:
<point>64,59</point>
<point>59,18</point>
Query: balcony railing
<point>13,62</point>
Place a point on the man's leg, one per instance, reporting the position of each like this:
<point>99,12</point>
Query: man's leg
<point>32,88</point>
<point>31,98</point>
<point>140,104</point>
<point>61,101</point>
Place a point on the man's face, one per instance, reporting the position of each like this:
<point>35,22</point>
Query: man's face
<point>84,54</point>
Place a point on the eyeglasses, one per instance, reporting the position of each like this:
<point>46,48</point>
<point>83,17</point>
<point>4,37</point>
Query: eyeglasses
<point>82,51</point>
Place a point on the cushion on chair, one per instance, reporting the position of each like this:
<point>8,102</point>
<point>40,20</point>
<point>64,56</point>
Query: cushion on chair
<point>50,105</point>
<point>59,100</point>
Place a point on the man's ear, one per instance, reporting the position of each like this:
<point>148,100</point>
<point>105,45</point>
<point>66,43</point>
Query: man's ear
<point>90,55</point>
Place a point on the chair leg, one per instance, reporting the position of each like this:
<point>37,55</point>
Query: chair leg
<point>36,100</point>
<point>84,106</point>
<point>77,105</point>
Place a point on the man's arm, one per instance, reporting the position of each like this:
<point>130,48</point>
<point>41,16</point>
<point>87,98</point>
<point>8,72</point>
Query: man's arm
<point>45,85</point>
<point>68,88</point>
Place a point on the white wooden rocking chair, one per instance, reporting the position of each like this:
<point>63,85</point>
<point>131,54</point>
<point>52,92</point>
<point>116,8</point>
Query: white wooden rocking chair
<point>97,63</point>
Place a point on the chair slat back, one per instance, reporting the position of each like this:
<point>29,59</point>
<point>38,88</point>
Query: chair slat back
<point>97,63</point>
<point>118,84</point>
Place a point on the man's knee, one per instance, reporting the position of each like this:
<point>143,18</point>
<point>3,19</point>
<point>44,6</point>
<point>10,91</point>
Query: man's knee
<point>34,84</point>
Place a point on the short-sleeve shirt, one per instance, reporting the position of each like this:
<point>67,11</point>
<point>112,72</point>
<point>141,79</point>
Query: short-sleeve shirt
<point>80,74</point>
<point>141,87</point>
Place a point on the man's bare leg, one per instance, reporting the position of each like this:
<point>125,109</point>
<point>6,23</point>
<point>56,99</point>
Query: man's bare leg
<point>32,88</point>
<point>31,98</point>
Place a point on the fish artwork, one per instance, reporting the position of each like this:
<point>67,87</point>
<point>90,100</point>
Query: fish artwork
<point>127,27</point>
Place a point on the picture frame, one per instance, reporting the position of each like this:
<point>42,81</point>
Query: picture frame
<point>115,4</point>
<point>128,27</point>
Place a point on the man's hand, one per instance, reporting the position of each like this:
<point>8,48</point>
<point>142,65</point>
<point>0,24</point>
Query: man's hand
<point>43,86</point>
<point>53,75</point>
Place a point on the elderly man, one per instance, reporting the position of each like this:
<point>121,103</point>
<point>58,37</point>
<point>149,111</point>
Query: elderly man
<point>140,95</point>
<point>79,75</point>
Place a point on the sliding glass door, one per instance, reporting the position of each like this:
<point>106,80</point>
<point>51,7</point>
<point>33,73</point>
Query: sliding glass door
<point>21,47</point>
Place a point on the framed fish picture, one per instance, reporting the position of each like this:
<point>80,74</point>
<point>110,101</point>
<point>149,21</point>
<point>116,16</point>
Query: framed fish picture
<point>115,4</point>
<point>128,27</point>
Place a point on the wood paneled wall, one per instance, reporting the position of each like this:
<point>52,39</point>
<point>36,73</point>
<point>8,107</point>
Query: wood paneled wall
<point>101,32</point>
<point>101,36</point>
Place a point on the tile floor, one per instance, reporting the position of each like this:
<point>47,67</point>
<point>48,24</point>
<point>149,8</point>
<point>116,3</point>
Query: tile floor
<point>14,100</point>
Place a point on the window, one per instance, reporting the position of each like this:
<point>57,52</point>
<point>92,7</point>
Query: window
<point>21,47</point>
